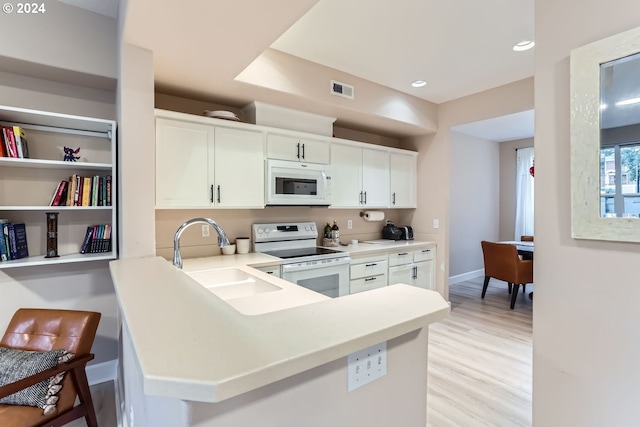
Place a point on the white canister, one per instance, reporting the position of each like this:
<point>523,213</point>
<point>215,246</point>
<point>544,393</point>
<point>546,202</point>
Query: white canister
<point>243,244</point>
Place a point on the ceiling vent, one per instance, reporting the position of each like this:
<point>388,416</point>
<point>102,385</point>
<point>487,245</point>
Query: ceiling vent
<point>341,89</point>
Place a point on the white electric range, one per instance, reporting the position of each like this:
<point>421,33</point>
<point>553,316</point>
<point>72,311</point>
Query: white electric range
<point>320,269</point>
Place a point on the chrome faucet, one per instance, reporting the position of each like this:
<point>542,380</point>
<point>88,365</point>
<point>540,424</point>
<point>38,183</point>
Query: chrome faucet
<point>223,240</point>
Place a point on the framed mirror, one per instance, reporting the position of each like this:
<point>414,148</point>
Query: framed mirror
<point>605,139</point>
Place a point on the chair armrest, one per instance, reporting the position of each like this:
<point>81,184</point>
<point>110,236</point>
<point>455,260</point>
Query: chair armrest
<point>76,362</point>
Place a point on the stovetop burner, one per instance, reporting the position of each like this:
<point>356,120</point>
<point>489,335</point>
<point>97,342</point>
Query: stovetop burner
<point>302,252</point>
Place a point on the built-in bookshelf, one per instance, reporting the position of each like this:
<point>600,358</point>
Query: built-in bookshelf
<point>27,185</point>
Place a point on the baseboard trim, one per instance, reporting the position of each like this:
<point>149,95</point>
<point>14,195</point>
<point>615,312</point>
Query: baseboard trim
<point>98,373</point>
<point>466,276</point>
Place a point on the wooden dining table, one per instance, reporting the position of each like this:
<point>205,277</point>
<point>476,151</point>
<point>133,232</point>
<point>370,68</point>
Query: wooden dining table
<point>524,248</point>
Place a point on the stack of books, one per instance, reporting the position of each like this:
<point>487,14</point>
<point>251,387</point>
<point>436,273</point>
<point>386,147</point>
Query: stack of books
<point>97,239</point>
<point>13,142</point>
<point>83,191</point>
<point>13,241</point>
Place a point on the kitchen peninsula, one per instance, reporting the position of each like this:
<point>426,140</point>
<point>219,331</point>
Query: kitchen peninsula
<point>192,357</point>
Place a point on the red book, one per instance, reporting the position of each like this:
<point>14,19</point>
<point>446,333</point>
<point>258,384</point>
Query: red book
<point>61,193</point>
<point>3,147</point>
<point>10,142</point>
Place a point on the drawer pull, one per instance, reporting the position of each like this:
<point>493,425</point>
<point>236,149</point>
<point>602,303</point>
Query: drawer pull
<point>404,253</point>
<point>371,265</point>
<point>426,250</point>
<point>368,279</point>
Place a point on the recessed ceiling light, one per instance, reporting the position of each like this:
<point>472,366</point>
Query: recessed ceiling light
<point>418,83</point>
<point>524,45</point>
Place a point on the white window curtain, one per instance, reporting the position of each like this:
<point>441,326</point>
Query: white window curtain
<point>524,193</point>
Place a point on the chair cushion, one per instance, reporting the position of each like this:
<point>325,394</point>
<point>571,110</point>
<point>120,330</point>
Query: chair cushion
<point>18,364</point>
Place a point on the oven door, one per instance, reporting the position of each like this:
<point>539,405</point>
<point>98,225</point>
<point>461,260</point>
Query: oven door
<point>329,277</point>
<point>293,183</point>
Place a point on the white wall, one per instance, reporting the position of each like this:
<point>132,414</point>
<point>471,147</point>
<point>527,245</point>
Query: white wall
<point>85,286</point>
<point>83,44</point>
<point>585,329</point>
<point>474,210</point>
<point>63,37</point>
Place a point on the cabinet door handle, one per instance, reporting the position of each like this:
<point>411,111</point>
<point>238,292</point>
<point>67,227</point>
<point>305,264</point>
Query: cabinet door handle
<point>415,272</point>
<point>371,265</point>
<point>298,155</point>
<point>211,193</point>
<point>368,279</point>
<point>361,197</point>
<point>393,202</point>
<point>218,194</point>
<point>365,197</point>
<point>303,151</point>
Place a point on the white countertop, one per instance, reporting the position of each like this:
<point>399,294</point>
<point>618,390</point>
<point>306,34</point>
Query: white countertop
<point>192,345</point>
<point>363,248</point>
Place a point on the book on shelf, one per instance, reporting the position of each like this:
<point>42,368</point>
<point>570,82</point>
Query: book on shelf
<point>9,142</point>
<point>97,239</point>
<point>86,191</point>
<point>14,242</point>
<point>60,194</point>
<point>20,241</point>
<point>4,248</point>
<point>3,147</point>
<point>21,142</point>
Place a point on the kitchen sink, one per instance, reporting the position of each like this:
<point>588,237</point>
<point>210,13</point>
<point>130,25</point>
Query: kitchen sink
<point>232,283</point>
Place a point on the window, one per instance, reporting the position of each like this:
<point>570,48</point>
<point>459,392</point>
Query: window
<point>524,193</point>
<point>620,180</point>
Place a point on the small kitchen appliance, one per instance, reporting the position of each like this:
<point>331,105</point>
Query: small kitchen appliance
<point>391,232</point>
<point>320,269</point>
<point>290,183</point>
<point>406,232</point>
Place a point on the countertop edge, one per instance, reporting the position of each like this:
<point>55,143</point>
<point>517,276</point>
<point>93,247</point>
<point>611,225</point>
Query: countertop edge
<point>423,307</point>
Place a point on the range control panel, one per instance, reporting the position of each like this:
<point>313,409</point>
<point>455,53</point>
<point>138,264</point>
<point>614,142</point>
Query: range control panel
<point>284,231</point>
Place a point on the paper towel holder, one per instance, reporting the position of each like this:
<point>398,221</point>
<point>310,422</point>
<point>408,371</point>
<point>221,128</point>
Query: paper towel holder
<point>365,215</point>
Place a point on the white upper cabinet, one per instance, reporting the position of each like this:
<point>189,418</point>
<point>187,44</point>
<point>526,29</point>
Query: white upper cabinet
<point>182,163</point>
<point>346,176</point>
<point>402,168</point>
<point>359,176</point>
<point>297,149</point>
<point>201,165</point>
<point>239,168</point>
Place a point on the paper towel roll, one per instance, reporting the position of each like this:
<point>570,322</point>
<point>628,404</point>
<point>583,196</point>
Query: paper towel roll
<point>373,216</point>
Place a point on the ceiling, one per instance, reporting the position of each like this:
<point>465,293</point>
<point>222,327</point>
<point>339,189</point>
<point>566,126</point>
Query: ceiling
<point>458,48</point>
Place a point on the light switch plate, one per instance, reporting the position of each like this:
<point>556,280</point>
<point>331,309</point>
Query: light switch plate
<point>366,365</point>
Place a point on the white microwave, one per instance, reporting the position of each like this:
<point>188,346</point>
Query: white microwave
<point>297,184</point>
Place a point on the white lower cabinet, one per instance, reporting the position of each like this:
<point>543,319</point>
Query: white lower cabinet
<point>415,267</point>
<point>368,273</point>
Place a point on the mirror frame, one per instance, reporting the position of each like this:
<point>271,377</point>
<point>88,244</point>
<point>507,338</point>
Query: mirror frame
<point>585,61</point>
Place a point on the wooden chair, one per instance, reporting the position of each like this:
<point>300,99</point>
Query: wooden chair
<point>46,330</point>
<point>501,261</point>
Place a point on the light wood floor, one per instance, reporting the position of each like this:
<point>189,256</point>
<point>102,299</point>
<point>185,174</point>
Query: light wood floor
<point>104,402</point>
<point>480,359</point>
<point>479,363</point>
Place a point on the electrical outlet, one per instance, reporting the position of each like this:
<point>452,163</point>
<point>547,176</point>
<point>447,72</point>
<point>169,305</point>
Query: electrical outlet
<point>349,224</point>
<point>436,223</point>
<point>366,365</point>
<point>205,230</point>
